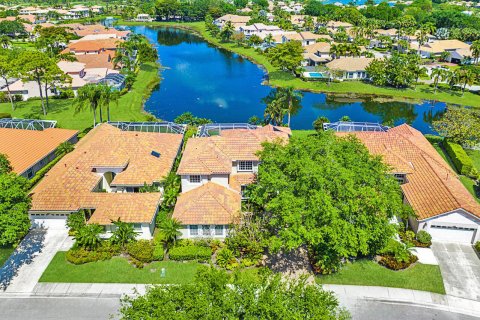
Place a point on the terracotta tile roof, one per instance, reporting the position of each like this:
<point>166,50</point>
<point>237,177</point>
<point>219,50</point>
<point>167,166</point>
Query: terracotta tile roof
<point>208,204</point>
<point>238,180</point>
<point>84,30</point>
<point>215,154</point>
<point>439,46</point>
<point>101,60</point>
<point>24,148</point>
<point>68,185</point>
<point>432,187</point>
<point>94,45</point>
<point>351,64</point>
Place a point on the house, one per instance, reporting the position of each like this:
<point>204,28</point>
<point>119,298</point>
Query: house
<point>30,149</point>
<point>236,20</point>
<point>101,60</point>
<point>436,48</point>
<point>143,17</point>
<point>214,170</point>
<point>259,29</point>
<point>335,26</point>
<point>317,53</point>
<point>352,68</point>
<point>93,46</point>
<point>443,206</point>
<point>103,176</point>
<point>86,30</point>
<point>462,55</point>
<point>298,20</point>
<point>305,37</point>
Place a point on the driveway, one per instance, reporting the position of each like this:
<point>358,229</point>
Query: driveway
<point>460,267</point>
<point>29,274</point>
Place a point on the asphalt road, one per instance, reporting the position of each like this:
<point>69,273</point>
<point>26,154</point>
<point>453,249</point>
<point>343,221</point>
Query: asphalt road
<point>102,308</point>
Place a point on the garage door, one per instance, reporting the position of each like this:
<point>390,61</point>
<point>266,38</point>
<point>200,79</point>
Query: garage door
<point>54,222</point>
<point>452,234</point>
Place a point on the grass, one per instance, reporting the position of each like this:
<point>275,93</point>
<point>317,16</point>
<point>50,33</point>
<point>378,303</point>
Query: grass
<point>368,273</point>
<point>279,78</point>
<point>129,108</point>
<point>475,156</point>
<point>117,270</point>
<point>5,252</point>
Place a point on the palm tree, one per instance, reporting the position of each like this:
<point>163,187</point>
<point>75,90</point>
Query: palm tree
<point>466,77</point>
<point>274,112</point>
<point>64,148</point>
<point>123,234</point>
<point>89,95</point>
<point>475,48</point>
<point>292,100</point>
<point>5,41</point>
<point>438,75</point>
<point>171,230</point>
<point>227,31</point>
<point>109,95</point>
<point>418,71</point>
<point>88,236</point>
<point>318,123</point>
<point>268,39</point>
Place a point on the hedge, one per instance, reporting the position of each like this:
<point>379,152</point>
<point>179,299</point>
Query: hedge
<point>460,158</point>
<point>5,115</point>
<point>81,255</point>
<point>142,250</point>
<point>190,253</point>
<point>433,138</point>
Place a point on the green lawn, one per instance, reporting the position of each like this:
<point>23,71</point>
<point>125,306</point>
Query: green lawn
<point>5,252</point>
<point>368,273</point>
<point>117,270</point>
<point>129,105</point>
<point>357,89</point>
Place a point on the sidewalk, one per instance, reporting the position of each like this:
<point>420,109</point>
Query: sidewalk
<point>99,290</point>
<point>346,294</point>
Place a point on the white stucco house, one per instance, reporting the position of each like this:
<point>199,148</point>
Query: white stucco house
<point>351,68</point>
<point>214,171</point>
<point>103,177</point>
<point>443,206</point>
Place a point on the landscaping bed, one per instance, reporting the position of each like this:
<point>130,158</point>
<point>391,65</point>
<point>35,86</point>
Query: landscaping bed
<point>117,270</point>
<point>368,273</point>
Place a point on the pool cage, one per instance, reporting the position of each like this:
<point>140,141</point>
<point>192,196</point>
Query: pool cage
<point>159,127</point>
<point>347,126</point>
<point>214,129</point>
<point>27,124</point>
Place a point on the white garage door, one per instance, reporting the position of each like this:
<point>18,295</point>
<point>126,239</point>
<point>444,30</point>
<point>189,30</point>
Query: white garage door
<point>54,222</point>
<point>452,234</point>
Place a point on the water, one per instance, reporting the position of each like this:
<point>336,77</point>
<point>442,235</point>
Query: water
<point>224,87</point>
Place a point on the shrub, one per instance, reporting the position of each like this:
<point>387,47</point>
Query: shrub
<point>424,237</point>
<point>190,253</point>
<point>409,236</point>
<point>5,115</point>
<point>390,262</point>
<point>460,158</point>
<point>477,246</point>
<point>158,253</point>
<point>82,255</point>
<point>141,250</point>
<point>225,257</point>
<point>433,138</point>
<point>76,221</point>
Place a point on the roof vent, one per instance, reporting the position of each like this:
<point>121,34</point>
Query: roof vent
<point>155,154</point>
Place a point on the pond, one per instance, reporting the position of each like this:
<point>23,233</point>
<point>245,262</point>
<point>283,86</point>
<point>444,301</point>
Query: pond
<point>222,86</point>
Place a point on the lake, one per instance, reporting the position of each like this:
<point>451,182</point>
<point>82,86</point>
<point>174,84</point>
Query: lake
<point>222,86</point>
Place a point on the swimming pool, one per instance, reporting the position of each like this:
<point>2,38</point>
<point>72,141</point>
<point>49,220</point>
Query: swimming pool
<point>317,75</point>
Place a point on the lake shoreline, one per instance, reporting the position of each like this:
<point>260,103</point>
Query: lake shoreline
<point>340,90</point>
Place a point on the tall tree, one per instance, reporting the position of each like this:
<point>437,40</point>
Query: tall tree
<point>8,70</point>
<point>475,48</point>
<point>328,193</point>
<point>227,31</point>
<point>14,204</point>
<point>109,96</point>
<point>89,95</point>
<point>291,99</point>
<point>287,56</point>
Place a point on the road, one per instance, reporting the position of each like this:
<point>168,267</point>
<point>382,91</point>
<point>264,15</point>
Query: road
<point>101,308</point>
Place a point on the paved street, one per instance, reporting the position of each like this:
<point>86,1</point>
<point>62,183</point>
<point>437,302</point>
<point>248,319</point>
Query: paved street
<point>58,308</point>
<point>460,269</point>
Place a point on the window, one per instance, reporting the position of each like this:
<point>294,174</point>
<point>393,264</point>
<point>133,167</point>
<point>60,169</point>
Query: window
<point>195,179</point>
<point>243,189</point>
<point>194,230</point>
<point>206,230</point>
<point>401,178</point>
<point>219,230</point>
<point>245,166</point>
<point>137,226</point>
<point>30,173</point>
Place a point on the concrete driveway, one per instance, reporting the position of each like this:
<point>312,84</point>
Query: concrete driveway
<point>460,267</point>
<point>29,274</point>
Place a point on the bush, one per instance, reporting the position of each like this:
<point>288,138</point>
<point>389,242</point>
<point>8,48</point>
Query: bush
<point>433,138</point>
<point>81,255</point>
<point>460,158</point>
<point>477,246</point>
<point>190,253</point>
<point>225,257</point>
<point>142,250</point>
<point>424,237</point>
<point>158,253</point>
<point>390,262</point>
<point>5,115</point>
<point>75,221</point>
